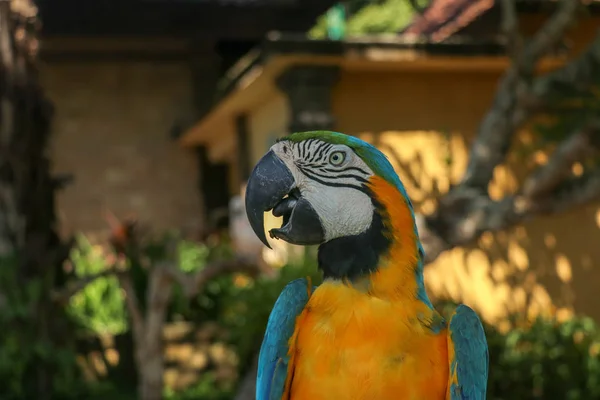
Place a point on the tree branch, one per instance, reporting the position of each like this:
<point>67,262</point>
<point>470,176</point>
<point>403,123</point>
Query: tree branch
<point>572,149</point>
<point>439,234</point>
<point>578,74</point>
<point>551,33</point>
<point>62,296</point>
<point>463,215</point>
<point>512,104</point>
<point>133,306</point>
<point>510,28</point>
<point>575,192</point>
<point>192,284</point>
<point>518,208</point>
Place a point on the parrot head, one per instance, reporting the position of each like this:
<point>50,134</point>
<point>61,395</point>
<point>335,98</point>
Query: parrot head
<point>335,191</point>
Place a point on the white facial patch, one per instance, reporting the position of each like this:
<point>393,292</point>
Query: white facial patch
<point>330,177</point>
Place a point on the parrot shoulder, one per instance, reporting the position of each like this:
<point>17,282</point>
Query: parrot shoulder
<point>273,360</point>
<point>468,356</point>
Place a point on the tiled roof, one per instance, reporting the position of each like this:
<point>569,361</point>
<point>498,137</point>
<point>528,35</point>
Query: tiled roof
<point>445,17</point>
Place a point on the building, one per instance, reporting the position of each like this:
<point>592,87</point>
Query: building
<point>420,101</point>
<point>124,77</point>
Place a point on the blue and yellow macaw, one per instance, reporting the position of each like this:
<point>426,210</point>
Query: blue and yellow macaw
<point>369,331</point>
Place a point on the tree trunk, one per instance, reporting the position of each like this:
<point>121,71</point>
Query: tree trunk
<point>151,378</point>
<point>247,389</point>
<point>466,211</point>
<point>151,372</point>
<point>148,330</point>
<point>27,190</point>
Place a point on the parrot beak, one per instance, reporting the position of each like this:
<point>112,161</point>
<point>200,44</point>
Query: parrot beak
<point>272,186</point>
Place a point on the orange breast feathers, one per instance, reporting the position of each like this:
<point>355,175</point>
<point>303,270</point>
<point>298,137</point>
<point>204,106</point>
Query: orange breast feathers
<point>349,345</point>
<point>369,340</point>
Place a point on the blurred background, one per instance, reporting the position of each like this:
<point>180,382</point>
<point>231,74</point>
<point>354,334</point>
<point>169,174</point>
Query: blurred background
<point>129,127</point>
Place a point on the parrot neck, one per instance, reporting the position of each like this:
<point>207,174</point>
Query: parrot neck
<point>399,274</point>
<point>386,260</point>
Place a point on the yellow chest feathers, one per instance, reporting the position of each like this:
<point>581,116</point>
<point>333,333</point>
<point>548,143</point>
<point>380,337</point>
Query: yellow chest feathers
<point>349,345</point>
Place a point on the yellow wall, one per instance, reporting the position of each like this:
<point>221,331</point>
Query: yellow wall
<point>424,123</point>
<point>269,119</point>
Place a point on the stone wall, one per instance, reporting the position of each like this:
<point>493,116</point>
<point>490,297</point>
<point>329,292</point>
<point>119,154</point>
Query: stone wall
<point>111,130</point>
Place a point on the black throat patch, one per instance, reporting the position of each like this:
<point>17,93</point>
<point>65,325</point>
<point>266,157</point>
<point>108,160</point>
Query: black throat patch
<point>353,257</point>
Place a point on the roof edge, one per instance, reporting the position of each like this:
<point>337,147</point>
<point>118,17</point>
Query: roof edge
<point>282,43</point>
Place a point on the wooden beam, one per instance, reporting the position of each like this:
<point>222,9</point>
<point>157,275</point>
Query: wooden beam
<point>213,185</point>
<point>243,146</point>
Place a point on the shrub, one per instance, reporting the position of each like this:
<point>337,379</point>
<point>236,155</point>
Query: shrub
<point>26,352</point>
<point>546,360</point>
<point>207,388</point>
<point>248,307</point>
<point>98,308</point>
<point>542,359</point>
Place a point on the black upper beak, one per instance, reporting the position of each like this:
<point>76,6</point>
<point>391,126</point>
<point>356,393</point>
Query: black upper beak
<point>269,184</point>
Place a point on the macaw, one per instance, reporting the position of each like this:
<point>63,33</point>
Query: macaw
<point>369,330</point>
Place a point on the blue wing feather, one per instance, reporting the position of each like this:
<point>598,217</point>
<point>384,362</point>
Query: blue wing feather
<point>273,358</point>
<point>471,358</point>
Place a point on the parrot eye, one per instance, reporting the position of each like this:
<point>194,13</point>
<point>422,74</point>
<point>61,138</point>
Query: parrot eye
<point>337,157</point>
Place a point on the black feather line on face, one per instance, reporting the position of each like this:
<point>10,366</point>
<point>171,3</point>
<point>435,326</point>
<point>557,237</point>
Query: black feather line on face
<point>327,168</point>
<point>315,154</point>
<point>323,150</point>
<point>356,256</point>
<point>310,175</point>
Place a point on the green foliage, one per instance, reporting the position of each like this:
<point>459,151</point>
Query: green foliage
<point>540,360</point>
<point>546,360</point>
<point>243,310</point>
<point>99,307</point>
<point>192,256</point>
<point>249,307</point>
<point>371,17</point>
<point>208,305</point>
<point>543,359</point>
<point>27,352</point>
<point>208,388</point>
